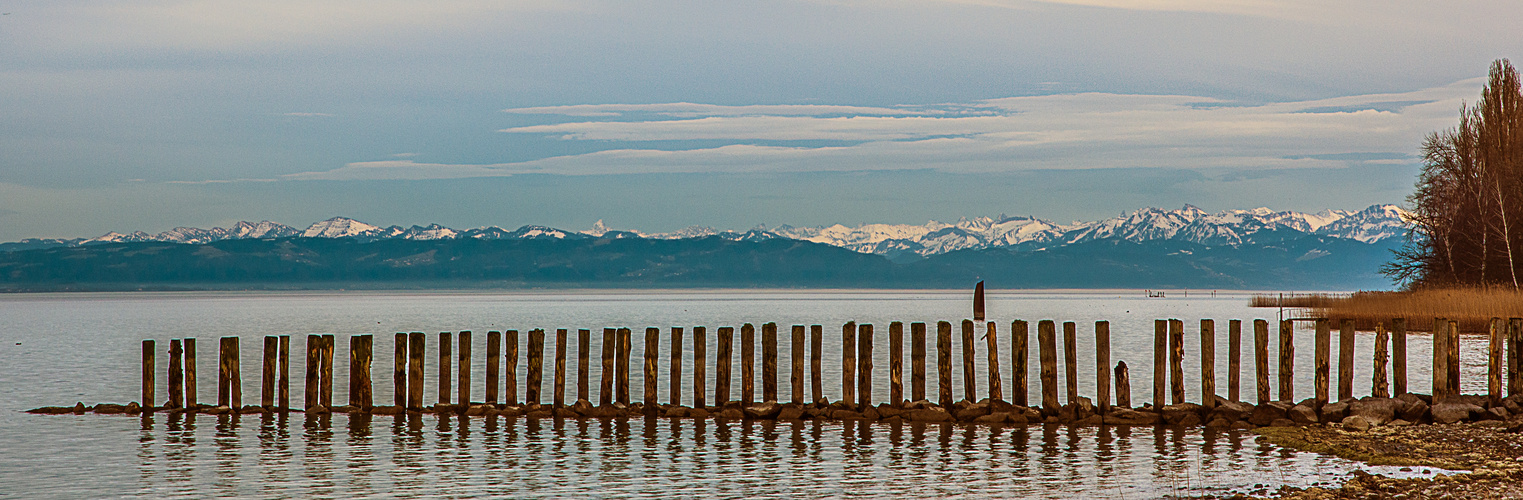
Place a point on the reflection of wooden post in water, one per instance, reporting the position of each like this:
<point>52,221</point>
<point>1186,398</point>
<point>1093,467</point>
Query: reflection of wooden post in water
<point>1440,359</point>
<point>1234,359</point>
<point>190,371</point>
<point>991,338</point>
<point>605,385</point>
<point>917,361</point>
<point>865,366</point>
<point>1378,386</point>
<point>463,367</point>
<point>896,363</point>
<point>1346,359</point>
<point>700,366</point>
<point>1046,337</point>
<point>148,374</point>
<point>176,376</point>
<point>652,350</point>
<point>1287,361</point>
<point>769,362</point>
<point>1208,363</point>
<point>1323,349</point>
<point>1176,361</point>
<point>445,352</point>
<point>1261,359</point>
<point>494,362</point>
<point>849,362</point>
<point>676,367</point>
<point>399,371</point>
<point>944,363</point>
<point>1123,386</point>
<point>747,364</point>
<point>1160,361</point>
<point>969,372</point>
<point>796,366</point>
<point>816,348</point>
<point>722,366</point>
<point>1019,336</point>
<point>1103,366</point>
<point>266,375</point>
<point>415,351</point>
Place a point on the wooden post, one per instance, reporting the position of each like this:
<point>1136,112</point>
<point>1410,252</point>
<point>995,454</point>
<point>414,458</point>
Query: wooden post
<point>223,382</point>
<point>558,389</point>
<point>284,381</point>
<point>1123,386</point>
<point>1160,361</point>
<point>626,346</point>
<point>1287,361</point>
<point>463,366</point>
<point>494,365</point>
<point>610,348</point>
<point>796,379</point>
<point>969,370</point>
<point>747,364</point>
<point>1018,353</point>
<point>1103,366</point>
<point>769,362</point>
<point>148,374</point>
<point>1378,386</point>
<point>234,373</point>
<point>849,362</point>
<point>991,337</point>
<point>896,363</point>
<point>652,350</point>
<point>399,372</point>
<point>190,371</point>
<point>314,371</point>
<point>1071,360</point>
<point>944,363</point>
<point>1454,358</point>
<point>1398,356</point>
<point>722,366</point>
<point>176,374</point>
<point>415,351</point>
<point>917,361</point>
<point>1234,359</point>
<point>864,366</point>
<point>1046,338</point>
<point>583,368</point>
<point>446,351</point>
<point>1514,349</point>
<point>267,371</point>
<point>700,366</point>
<point>1261,359</point>
<point>360,391</point>
<point>1346,359</point>
<point>676,367</point>
<point>1208,363</point>
<point>1322,360</point>
<point>326,355</point>
<point>1440,359</point>
<point>1176,361</point>
<point>816,348</point>
<point>510,365</point>
<point>536,374</point>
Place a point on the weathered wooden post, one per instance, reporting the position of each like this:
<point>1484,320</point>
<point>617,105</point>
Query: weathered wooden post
<point>176,375</point>
<point>314,371</point>
<point>148,374</point>
<point>1019,337</point>
<point>285,370</point>
<point>583,367</point>
<point>722,366</point>
<point>1494,362</point>
<point>415,352</point>
<point>326,395</point>
<point>234,375</point>
<point>1440,359</point>
<point>558,390</point>
<point>969,371</point>
<point>399,372</point>
<point>1071,360</point>
<point>610,348</point>
<point>1046,338</point>
<point>700,366</point>
<point>1346,359</point>
<point>676,367</point>
<point>1160,362</point>
<point>191,400</point>
<point>1176,360</point>
<point>896,363</point>
<point>816,348</point>
<point>849,362</point>
<point>917,361</point>
<point>1287,361</point>
<point>1234,359</point>
<point>267,371</point>
<point>1378,386</point>
<point>865,366</point>
<point>747,364</point>
<point>494,365</point>
<point>510,364</point>
<point>463,366</point>
<point>361,394</point>
<point>944,363</point>
<point>1123,386</point>
<point>445,353</point>
<point>1103,366</point>
<point>1454,358</point>
<point>1398,356</point>
<point>652,350</point>
<point>796,379</point>
<point>626,346</point>
<point>1514,350</point>
<point>1208,363</point>
<point>536,374</point>
<point>769,362</point>
<point>1322,362</point>
<point>1261,359</point>
<point>996,388</point>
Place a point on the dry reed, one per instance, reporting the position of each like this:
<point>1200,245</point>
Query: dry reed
<point>1473,308</point>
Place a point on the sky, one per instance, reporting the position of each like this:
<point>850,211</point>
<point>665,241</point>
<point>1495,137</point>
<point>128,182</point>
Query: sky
<point>147,115</point>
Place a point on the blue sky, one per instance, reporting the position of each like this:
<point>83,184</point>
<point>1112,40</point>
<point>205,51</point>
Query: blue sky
<point>658,115</point>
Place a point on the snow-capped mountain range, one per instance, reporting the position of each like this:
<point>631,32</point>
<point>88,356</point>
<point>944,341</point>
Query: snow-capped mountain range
<point>1189,224</point>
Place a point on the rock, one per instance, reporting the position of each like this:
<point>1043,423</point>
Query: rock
<point>1177,414</point>
<point>1032,414</point>
<point>1377,411</point>
<point>1453,410</point>
<point>79,408</point>
<point>1190,420</point>
<point>52,410</point>
<point>1334,412</point>
<point>1090,421</point>
<point>109,409</point>
<point>1513,404</point>
<point>1355,423</point>
<point>1219,423</point>
<point>478,410</point>
<point>1231,411</point>
<point>1242,424</point>
<point>514,411</point>
<point>887,411</point>
<point>1414,411</point>
<point>1018,419</point>
<point>1083,408</point>
<point>565,413</point>
<point>1398,423</point>
<point>1497,413</point>
<point>676,412</point>
<point>845,415</point>
<point>763,411</point>
<point>1282,422</point>
<point>539,414</point>
<point>972,411</point>
<point>791,413</point>
<point>993,418</point>
<point>591,411</point>
<point>1302,415</point>
<point>133,408</point>
<point>929,415</point>
<point>581,406</point>
<point>870,414</point>
<point>697,413</point>
<point>1266,413</point>
<point>1127,416</point>
<point>731,414</point>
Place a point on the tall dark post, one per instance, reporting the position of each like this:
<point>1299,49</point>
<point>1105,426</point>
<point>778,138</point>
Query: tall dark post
<point>1261,359</point>
<point>700,366</point>
<point>445,353</point>
<point>510,366</point>
<point>769,362</point>
<point>1514,351</point>
<point>1019,338</point>
<point>325,396</point>
<point>944,363</point>
<point>865,366</point>
<point>558,388</point>
<point>463,366</point>
<point>1046,338</point>
<point>361,394</point>
<point>176,375</point>
<point>190,372</point>
<point>267,372</point>
<point>849,362</point>
<point>896,363</point>
<point>676,367</point>
<point>917,361</point>
<point>747,364</point>
<point>1346,360</point>
<point>652,350</point>
<point>1160,361</point>
<point>1103,365</point>
<point>991,337</point>
<point>1454,358</point>
<point>626,346</point>
<point>314,371</point>
<point>722,358</point>
<point>1234,359</point>
<point>494,365</point>
<point>148,373</point>
<point>1287,361</point>
<point>1123,385</point>
<point>610,346</point>
<point>415,351</point>
<point>1378,386</point>
<point>816,346</point>
<point>223,382</point>
<point>796,379</point>
<point>536,372</point>
<point>285,369</point>
<point>1494,362</point>
<point>969,371</point>
<point>583,366</point>
<point>399,371</point>
<point>1176,361</point>
<point>1208,363</point>
<point>1440,359</point>
<point>978,302</point>
<point>1323,366</point>
<point>1071,360</point>
<point>234,375</point>
<point>1398,356</point>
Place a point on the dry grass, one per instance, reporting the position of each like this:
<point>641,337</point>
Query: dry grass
<point>1473,308</point>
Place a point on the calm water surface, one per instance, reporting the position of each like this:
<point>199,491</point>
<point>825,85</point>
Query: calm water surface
<point>58,349</point>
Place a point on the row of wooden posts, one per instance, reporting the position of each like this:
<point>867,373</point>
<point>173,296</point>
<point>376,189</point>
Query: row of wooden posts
<point>857,365</point>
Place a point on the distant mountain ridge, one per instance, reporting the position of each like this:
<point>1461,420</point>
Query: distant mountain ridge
<point>1189,224</point>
